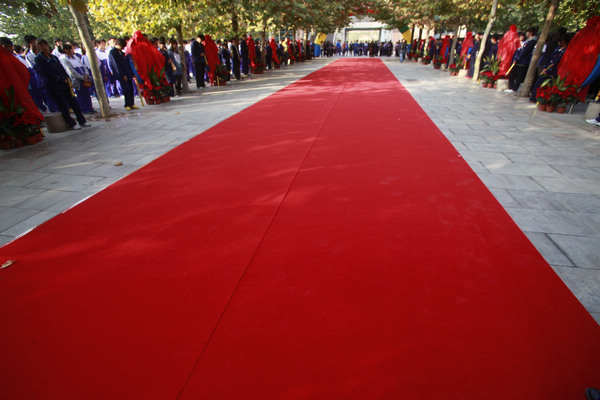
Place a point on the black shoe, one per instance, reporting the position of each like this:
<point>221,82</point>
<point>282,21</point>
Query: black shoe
<point>592,394</point>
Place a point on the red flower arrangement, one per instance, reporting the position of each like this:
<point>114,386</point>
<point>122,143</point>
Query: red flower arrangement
<point>554,91</point>
<point>454,68</point>
<point>156,88</point>
<point>487,77</point>
<point>15,121</point>
<point>258,67</point>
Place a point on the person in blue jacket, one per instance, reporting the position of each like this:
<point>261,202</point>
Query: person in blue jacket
<point>521,61</point>
<point>55,79</point>
<point>121,69</point>
<point>549,68</point>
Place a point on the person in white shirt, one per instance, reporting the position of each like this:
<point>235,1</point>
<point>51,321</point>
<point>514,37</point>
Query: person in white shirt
<point>57,52</point>
<point>80,77</point>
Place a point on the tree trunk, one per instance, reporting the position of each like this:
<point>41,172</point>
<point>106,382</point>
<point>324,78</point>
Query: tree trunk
<point>528,83</point>
<point>488,29</point>
<point>453,47</point>
<point>235,26</point>
<point>264,41</point>
<point>426,45</point>
<point>86,39</point>
<point>184,71</point>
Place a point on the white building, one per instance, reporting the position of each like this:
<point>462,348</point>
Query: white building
<point>365,30</point>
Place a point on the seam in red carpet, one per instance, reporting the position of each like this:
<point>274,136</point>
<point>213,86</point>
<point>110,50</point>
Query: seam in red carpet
<point>258,246</point>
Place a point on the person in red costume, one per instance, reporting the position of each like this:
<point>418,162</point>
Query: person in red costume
<point>581,56</point>
<point>15,75</point>
<point>466,50</point>
<point>507,46</point>
<point>212,57</point>
<point>146,57</point>
<point>274,56</point>
<point>251,51</point>
<point>445,50</point>
<point>299,42</point>
<point>290,50</point>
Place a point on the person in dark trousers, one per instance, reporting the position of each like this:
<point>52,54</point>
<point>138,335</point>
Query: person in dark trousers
<point>55,80</point>
<point>121,69</point>
<point>244,57</point>
<point>235,58</point>
<point>199,60</point>
<point>521,61</point>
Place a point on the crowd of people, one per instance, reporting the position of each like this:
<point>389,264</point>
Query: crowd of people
<point>61,78</point>
<point>513,52</point>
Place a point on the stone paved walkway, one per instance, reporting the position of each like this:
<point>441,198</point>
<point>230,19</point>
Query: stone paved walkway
<point>543,168</point>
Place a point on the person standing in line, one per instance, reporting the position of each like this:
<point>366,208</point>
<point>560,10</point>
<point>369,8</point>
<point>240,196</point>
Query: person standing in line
<point>57,48</point>
<point>55,80</point>
<point>39,95</point>
<point>235,58</point>
<point>245,59</point>
<point>188,59</point>
<point>226,54</point>
<point>121,69</point>
<point>102,55</point>
<point>549,68</point>
<point>169,66</point>
<point>80,78</point>
<point>177,63</point>
<point>199,60</point>
<point>521,61</point>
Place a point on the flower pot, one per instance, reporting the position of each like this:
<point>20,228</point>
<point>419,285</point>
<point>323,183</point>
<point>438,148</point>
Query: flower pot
<point>437,66</point>
<point>165,99</point>
<point>501,85</point>
<point>561,109</point>
<point>17,142</point>
<point>592,110</point>
<point>39,136</point>
<point>31,140</point>
<point>542,107</point>
<point>5,144</point>
<point>550,107</point>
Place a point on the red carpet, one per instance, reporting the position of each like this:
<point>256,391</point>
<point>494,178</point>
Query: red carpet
<point>347,251</point>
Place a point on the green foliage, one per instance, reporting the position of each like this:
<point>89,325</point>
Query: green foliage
<point>48,25</point>
<point>492,64</point>
<point>224,18</point>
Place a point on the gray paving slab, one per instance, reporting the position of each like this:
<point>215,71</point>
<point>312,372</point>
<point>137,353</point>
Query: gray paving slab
<point>543,168</point>
<point>549,249</point>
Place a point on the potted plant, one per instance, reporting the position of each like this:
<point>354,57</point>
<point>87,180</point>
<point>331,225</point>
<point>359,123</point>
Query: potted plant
<point>16,124</point>
<point>426,60</point>
<point>259,67</point>
<point>437,62</point>
<point>157,90</point>
<point>489,72</point>
<point>454,69</point>
<point>542,98</point>
<point>487,79</point>
<point>557,92</point>
<point>222,75</point>
<point>560,94</point>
